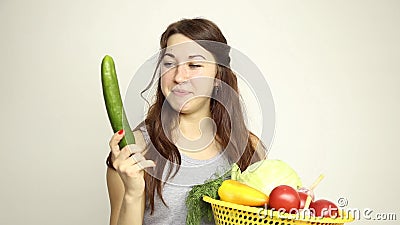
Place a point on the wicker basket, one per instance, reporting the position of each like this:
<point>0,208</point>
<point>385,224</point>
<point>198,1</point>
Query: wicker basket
<point>226,213</point>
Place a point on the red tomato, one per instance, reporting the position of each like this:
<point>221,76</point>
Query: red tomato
<point>324,208</point>
<point>285,198</point>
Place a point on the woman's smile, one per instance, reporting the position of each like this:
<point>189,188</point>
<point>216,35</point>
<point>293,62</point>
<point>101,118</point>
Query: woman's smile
<point>181,92</point>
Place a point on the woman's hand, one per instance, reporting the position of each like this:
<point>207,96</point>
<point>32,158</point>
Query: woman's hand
<point>129,162</point>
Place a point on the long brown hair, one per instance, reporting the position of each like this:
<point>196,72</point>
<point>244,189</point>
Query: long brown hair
<point>239,143</point>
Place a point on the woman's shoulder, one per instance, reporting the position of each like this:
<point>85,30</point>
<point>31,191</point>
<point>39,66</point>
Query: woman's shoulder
<point>141,135</point>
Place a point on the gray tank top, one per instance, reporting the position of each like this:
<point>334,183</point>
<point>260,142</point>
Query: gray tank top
<point>191,172</point>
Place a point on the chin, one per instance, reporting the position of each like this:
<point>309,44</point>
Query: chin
<point>188,106</point>
<point>177,105</point>
<point>186,109</point>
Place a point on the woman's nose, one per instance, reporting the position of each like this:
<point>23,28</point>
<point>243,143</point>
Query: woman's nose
<point>181,74</point>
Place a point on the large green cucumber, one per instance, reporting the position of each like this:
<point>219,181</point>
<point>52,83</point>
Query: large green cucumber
<point>113,101</point>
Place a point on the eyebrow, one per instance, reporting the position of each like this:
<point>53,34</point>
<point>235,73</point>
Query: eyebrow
<point>189,57</point>
<point>195,56</point>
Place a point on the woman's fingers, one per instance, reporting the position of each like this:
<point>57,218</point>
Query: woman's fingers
<point>134,165</point>
<point>138,167</point>
<point>134,148</point>
<point>128,151</point>
<point>137,157</point>
<point>128,160</point>
<point>115,139</point>
<point>129,156</point>
<point>145,164</point>
<point>122,158</point>
<point>136,160</point>
<point>136,170</point>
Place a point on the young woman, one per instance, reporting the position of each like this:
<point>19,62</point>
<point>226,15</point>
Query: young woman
<point>194,128</point>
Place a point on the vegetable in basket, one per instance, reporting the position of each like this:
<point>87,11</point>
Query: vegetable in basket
<point>239,193</point>
<point>284,198</point>
<point>267,174</point>
<point>197,208</point>
<point>263,176</point>
<point>324,208</point>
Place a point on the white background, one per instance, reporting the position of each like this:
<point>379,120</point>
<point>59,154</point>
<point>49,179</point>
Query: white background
<point>332,66</point>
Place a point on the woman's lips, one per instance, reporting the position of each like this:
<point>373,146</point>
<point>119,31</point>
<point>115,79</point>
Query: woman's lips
<point>181,92</point>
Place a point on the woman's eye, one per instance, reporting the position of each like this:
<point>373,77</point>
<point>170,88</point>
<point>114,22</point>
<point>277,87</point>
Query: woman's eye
<point>168,64</point>
<point>194,66</point>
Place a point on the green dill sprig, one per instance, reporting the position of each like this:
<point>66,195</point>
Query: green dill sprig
<point>197,208</point>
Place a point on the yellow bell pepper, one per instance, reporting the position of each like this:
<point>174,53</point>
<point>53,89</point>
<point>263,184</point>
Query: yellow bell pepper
<point>239,193</point>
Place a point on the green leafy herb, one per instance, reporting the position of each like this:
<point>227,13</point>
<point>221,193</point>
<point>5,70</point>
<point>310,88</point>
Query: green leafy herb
<point>197,208</point>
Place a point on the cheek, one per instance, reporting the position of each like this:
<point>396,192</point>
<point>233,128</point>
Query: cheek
<point>210,70</point>
<point>203,85</point>
<point>165,83</point>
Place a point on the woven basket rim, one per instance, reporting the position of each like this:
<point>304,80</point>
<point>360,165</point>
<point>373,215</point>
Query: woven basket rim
<point>344,217</point>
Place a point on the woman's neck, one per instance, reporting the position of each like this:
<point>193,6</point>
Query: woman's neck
<point>193,125</point>
<point>196,137</point>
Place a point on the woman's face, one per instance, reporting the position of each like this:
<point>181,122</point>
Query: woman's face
<point>187,75</point>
